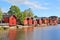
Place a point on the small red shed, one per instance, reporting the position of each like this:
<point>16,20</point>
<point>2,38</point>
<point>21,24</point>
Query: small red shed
<point>40,22</point>
<point>25,21</point>
<point>12,20</point>
<point>30,21</point>
<point>6,20</point>
<point>34,22</point>
<point>50,21</point>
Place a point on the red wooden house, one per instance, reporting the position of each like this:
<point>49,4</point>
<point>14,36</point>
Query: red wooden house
<point>12,20</point>
<point>34,22</point>
<point>40,22</point>
<point>48,21</point>
<point>25,21</point>
<point>30,21</point>
<point>54,20</point>
<point>5,18</point>
<point>44,20</point>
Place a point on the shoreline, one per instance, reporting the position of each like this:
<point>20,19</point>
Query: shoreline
<point>21,26</point>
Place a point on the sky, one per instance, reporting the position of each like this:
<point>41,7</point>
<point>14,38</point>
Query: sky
<point>41,8</point>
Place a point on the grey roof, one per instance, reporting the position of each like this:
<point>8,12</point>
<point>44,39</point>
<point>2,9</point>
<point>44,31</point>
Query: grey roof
<point>6,15</point>
<point>41,18</point>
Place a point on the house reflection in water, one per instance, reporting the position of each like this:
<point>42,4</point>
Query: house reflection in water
<point>12,34</point>
<point>21,34</point>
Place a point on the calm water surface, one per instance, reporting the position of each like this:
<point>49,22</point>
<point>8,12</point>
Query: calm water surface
<point>45,33</point>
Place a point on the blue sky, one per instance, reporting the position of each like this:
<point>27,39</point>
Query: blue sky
<point>40,8</point>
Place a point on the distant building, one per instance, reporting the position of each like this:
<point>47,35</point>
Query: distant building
<point>53,20</point>
<point>6,18</point>
<point>25,21</point>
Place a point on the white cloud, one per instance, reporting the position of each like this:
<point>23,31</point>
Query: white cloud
<point>32,5</point>
<point>16,1</point>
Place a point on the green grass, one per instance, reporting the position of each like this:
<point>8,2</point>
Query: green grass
<point>1,28</point>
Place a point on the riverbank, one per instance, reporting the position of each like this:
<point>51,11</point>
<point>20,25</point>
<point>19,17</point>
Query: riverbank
<point>3,28</point>
<point>21,26</point>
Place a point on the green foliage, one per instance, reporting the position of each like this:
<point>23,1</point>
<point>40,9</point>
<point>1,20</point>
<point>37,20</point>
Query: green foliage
<point>14,10</point>
<point>35,16</point>
<point>58,18</point>
<point>1,28</point>
<point>1,14</point>
<point>28,13</point>
<point>22,17</point>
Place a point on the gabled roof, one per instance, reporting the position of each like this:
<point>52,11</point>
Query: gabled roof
<point>53,17</point>
<point>7,15</point>
<point>14,16</point>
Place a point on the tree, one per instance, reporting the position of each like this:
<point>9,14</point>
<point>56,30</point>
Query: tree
<point>28,13</point>
<point>35,16</point>
<point>58,17</point>
<point>14,10</point>
<point>22,17</point>
<point>1,15</point>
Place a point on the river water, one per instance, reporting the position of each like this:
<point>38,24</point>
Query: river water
<point>38,33</point>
